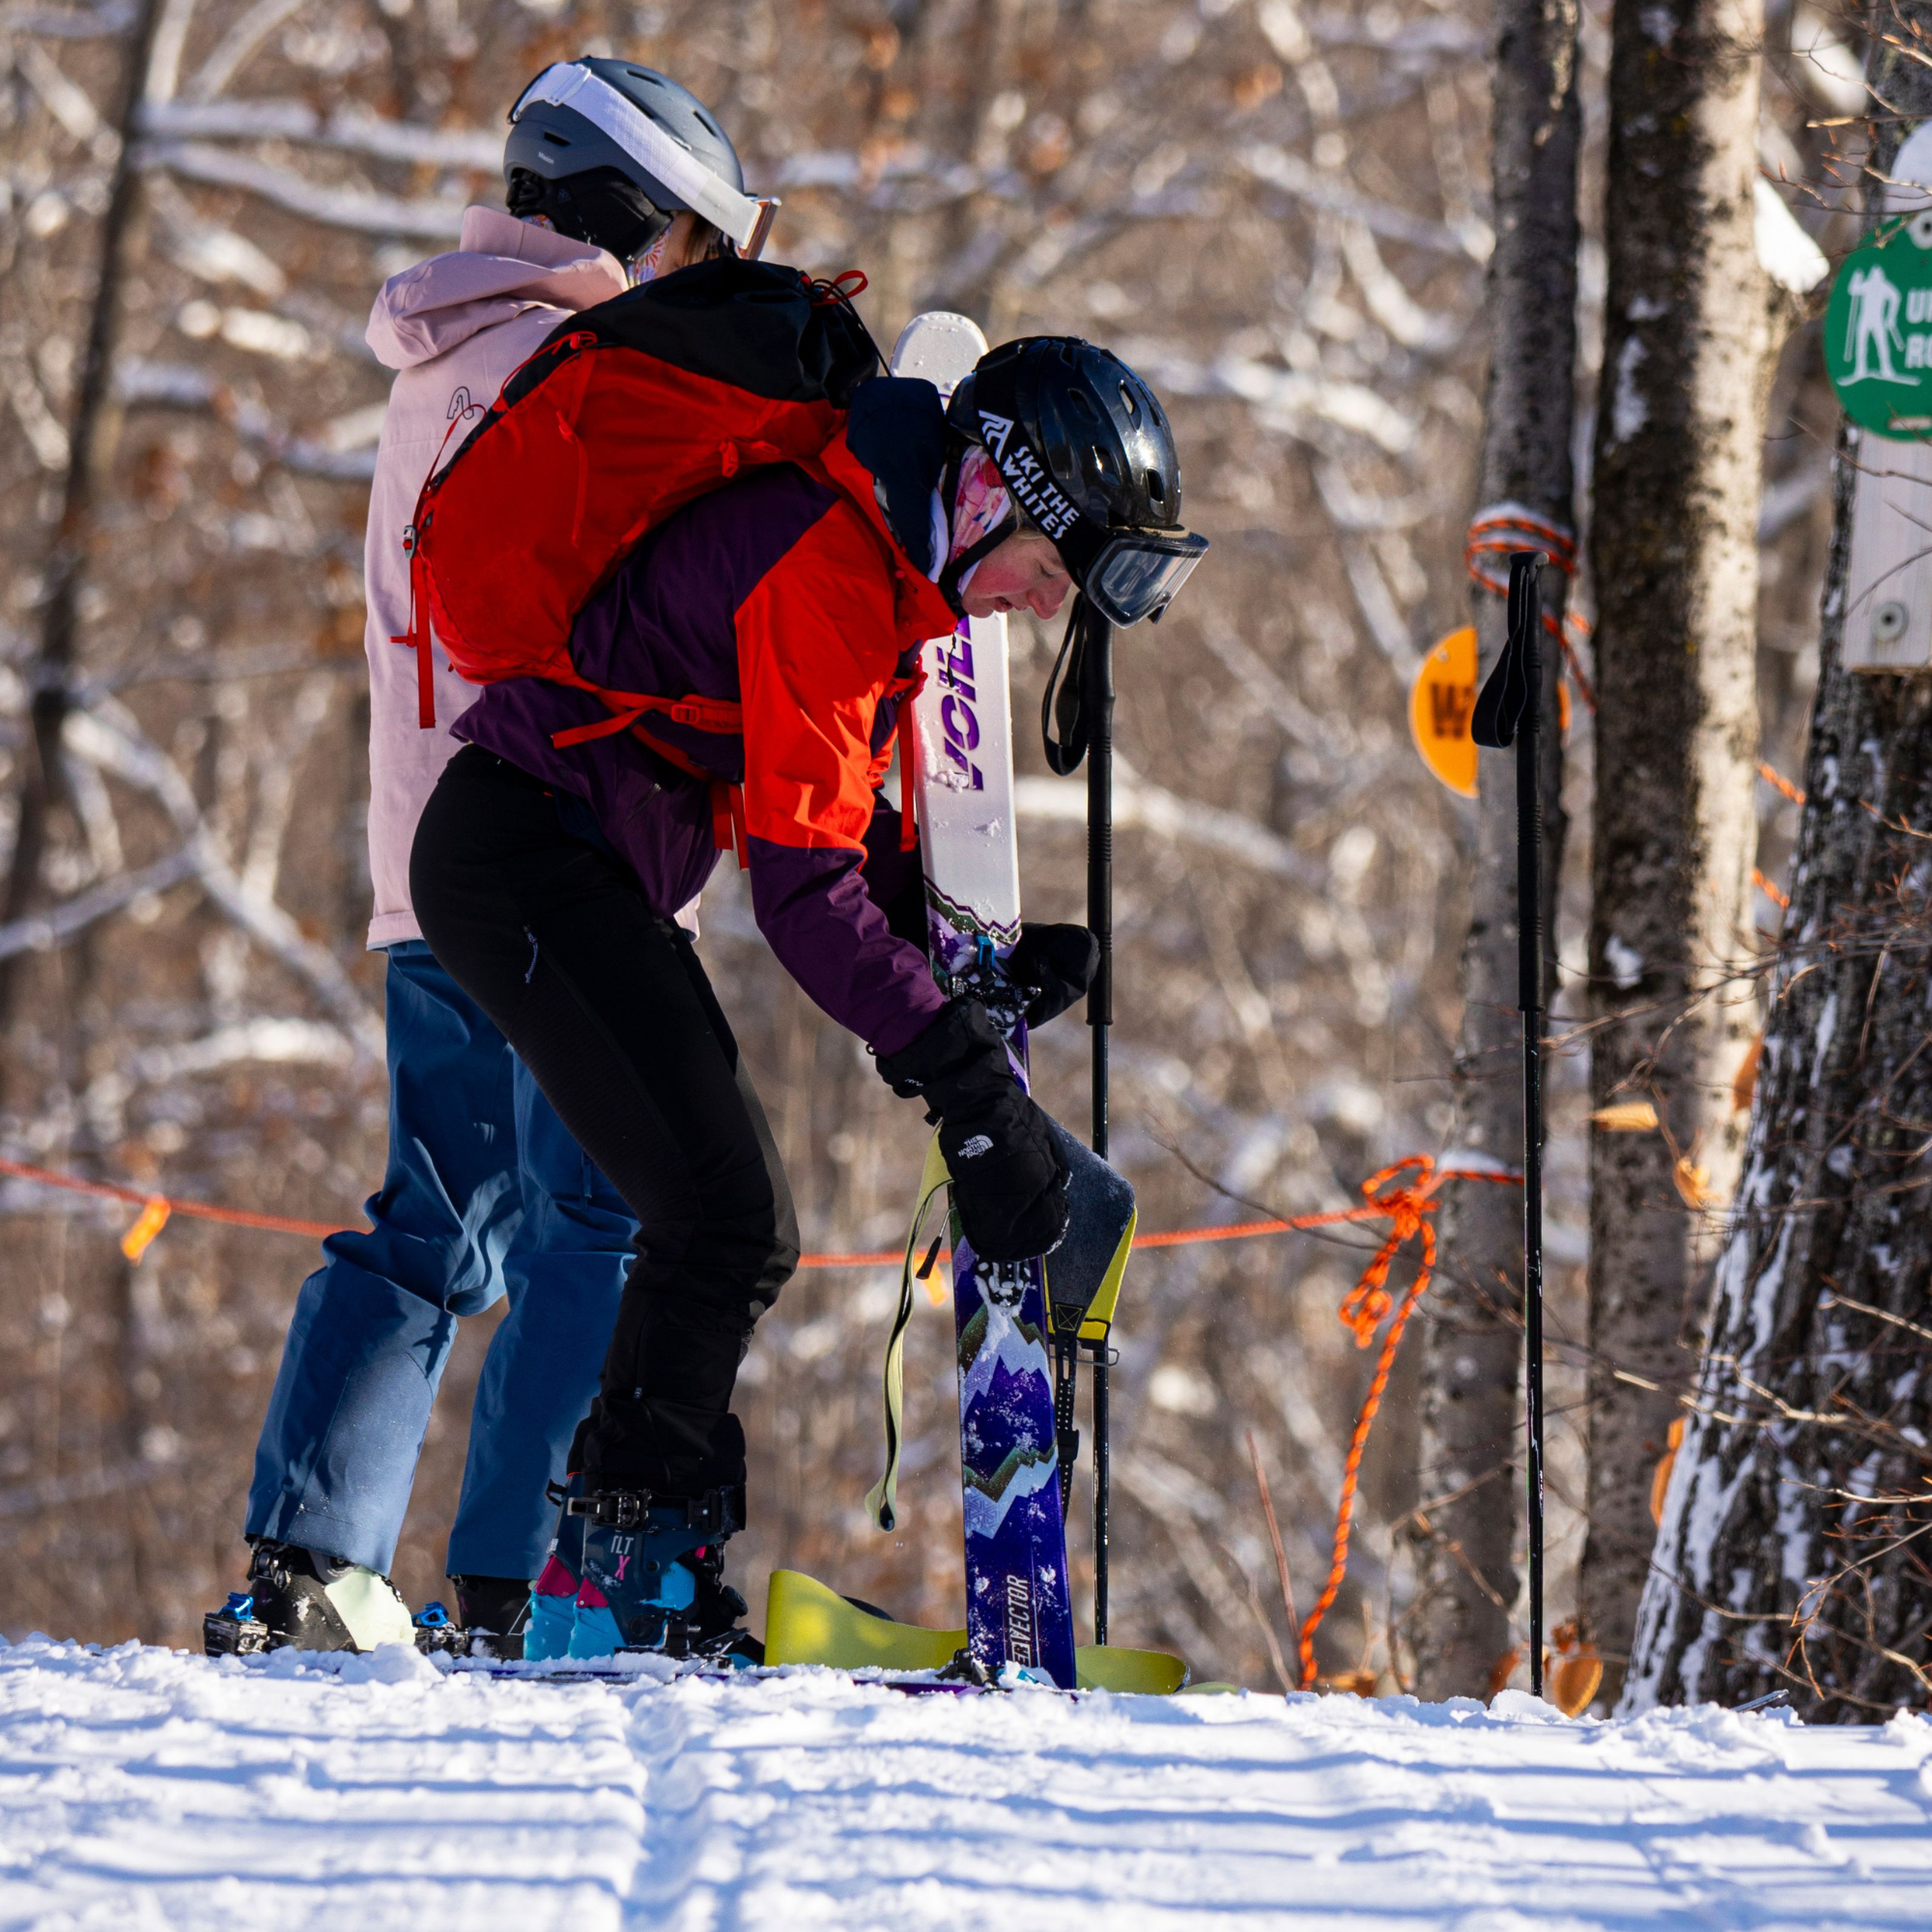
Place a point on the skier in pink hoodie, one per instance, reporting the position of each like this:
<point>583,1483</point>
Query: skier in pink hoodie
<point>486,1194</point>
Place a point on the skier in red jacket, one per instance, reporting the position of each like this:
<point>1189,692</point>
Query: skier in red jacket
<point>790,605</point>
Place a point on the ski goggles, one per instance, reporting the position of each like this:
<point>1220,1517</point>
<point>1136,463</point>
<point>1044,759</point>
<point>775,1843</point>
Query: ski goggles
<point>1137,574</point>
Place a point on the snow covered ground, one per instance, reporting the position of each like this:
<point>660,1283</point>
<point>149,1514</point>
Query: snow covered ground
<point>144,1789</point>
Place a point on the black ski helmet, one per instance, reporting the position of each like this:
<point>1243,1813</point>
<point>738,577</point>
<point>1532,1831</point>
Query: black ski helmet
<point>610,152</point>
<point>1084,446</point>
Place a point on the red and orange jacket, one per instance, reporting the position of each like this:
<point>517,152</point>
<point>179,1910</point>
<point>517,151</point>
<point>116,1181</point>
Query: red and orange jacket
<point>785,594</point>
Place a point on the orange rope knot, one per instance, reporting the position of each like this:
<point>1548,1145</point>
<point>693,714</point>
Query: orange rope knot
<point>1408,1204</point>
<point>1366,1304</point>
<point>1501,527</point>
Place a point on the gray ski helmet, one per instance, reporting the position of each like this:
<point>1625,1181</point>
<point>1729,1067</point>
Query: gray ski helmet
<point>551,142</point>
<point>1085,448</point>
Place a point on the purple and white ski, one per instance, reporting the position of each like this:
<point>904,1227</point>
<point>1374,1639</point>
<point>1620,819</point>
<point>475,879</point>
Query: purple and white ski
<point>1018,1607</point>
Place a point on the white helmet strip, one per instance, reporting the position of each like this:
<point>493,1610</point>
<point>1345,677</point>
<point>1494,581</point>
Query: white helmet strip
<point>568,85</point>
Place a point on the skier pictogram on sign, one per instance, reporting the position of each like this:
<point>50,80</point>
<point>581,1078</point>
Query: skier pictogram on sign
<point>1871,328</point>
<point>1441,703</point>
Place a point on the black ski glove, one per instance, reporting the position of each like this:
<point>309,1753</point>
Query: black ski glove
<point>1053,966</point>
<point>1008,1175</point>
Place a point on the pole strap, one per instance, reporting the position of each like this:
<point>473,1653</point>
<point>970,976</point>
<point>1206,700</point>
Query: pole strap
<point>882,1498</point>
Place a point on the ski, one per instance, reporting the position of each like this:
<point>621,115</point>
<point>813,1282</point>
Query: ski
<point>1018,1605</point>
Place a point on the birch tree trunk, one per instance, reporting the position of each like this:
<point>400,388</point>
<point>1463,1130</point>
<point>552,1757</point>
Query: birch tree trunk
<point>1474,1353</point>
<point>1691,334</point>
<point>1785,1555</point>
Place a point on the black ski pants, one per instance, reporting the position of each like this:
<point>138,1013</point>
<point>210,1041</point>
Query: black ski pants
<point>606,1005</point>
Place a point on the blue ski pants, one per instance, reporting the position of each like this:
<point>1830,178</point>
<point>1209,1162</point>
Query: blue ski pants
<point>486,1196</point>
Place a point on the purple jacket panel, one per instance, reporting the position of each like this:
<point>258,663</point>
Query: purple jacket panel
<point>889,871</point>
<point>828,932</point>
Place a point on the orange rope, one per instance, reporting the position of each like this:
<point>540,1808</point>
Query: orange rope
<point>1778,781</point>
<point>1407,1204</point>
<point>1495,533</point>
<point>1776,894</point>
<point>157,1209</point>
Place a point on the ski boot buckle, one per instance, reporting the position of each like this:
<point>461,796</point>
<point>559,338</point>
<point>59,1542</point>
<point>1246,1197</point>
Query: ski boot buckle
<point>437,1633</point>
<point>234,1630</point>
<point>613,1509</point>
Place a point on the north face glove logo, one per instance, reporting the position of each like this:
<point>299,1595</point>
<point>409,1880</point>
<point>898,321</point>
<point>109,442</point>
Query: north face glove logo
<point>972,1149</point>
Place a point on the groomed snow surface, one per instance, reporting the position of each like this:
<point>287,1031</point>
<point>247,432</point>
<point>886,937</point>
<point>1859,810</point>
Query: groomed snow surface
<point>145,1788</point>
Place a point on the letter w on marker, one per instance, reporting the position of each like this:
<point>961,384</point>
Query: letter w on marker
<point>1449,708</point>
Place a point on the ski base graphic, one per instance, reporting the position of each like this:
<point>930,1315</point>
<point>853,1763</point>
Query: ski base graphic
<point>1017,1605</point>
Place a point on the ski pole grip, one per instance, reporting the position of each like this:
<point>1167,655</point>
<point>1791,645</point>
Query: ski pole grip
<point>1525,641</point>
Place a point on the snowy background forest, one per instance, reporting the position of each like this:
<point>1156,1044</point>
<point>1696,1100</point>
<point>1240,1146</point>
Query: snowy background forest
<point>1281,213</point>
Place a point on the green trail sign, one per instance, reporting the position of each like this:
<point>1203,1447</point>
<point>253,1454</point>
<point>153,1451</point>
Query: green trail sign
<point>1878,331</point>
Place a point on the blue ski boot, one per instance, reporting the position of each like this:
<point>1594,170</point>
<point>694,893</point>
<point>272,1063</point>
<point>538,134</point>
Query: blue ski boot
<point>552,1611</point>
<point>654,1576</point>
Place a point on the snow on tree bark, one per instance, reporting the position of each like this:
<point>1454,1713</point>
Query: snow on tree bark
<point>1691,326</point>
<point>1789,1552</point>
<point>1474,1360</point>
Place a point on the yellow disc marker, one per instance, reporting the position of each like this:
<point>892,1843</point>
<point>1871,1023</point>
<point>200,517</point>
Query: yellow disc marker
<point>1441,703</point>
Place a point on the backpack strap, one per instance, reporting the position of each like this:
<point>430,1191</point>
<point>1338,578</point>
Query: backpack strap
<point>627,707</point>
<point>417,636</point>
<point>727,821</point>
<point>905,690</point>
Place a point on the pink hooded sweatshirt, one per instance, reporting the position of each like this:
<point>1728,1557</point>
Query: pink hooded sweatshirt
<point>453,328</point>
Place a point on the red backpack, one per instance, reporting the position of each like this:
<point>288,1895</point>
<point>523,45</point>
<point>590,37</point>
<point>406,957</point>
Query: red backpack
<point>629,412</point>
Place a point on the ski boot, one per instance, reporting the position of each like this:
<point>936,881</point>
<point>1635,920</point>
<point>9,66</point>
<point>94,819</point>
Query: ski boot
<point>654,1576</point>
<point>495,1611</point>
<point>308,1600</point>
<point>491,1613</point>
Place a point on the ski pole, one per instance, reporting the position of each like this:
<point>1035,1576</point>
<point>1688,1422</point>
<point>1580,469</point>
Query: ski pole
<point>1509,707</point>
<point>1526,569</point>
<point>1098,666</point>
